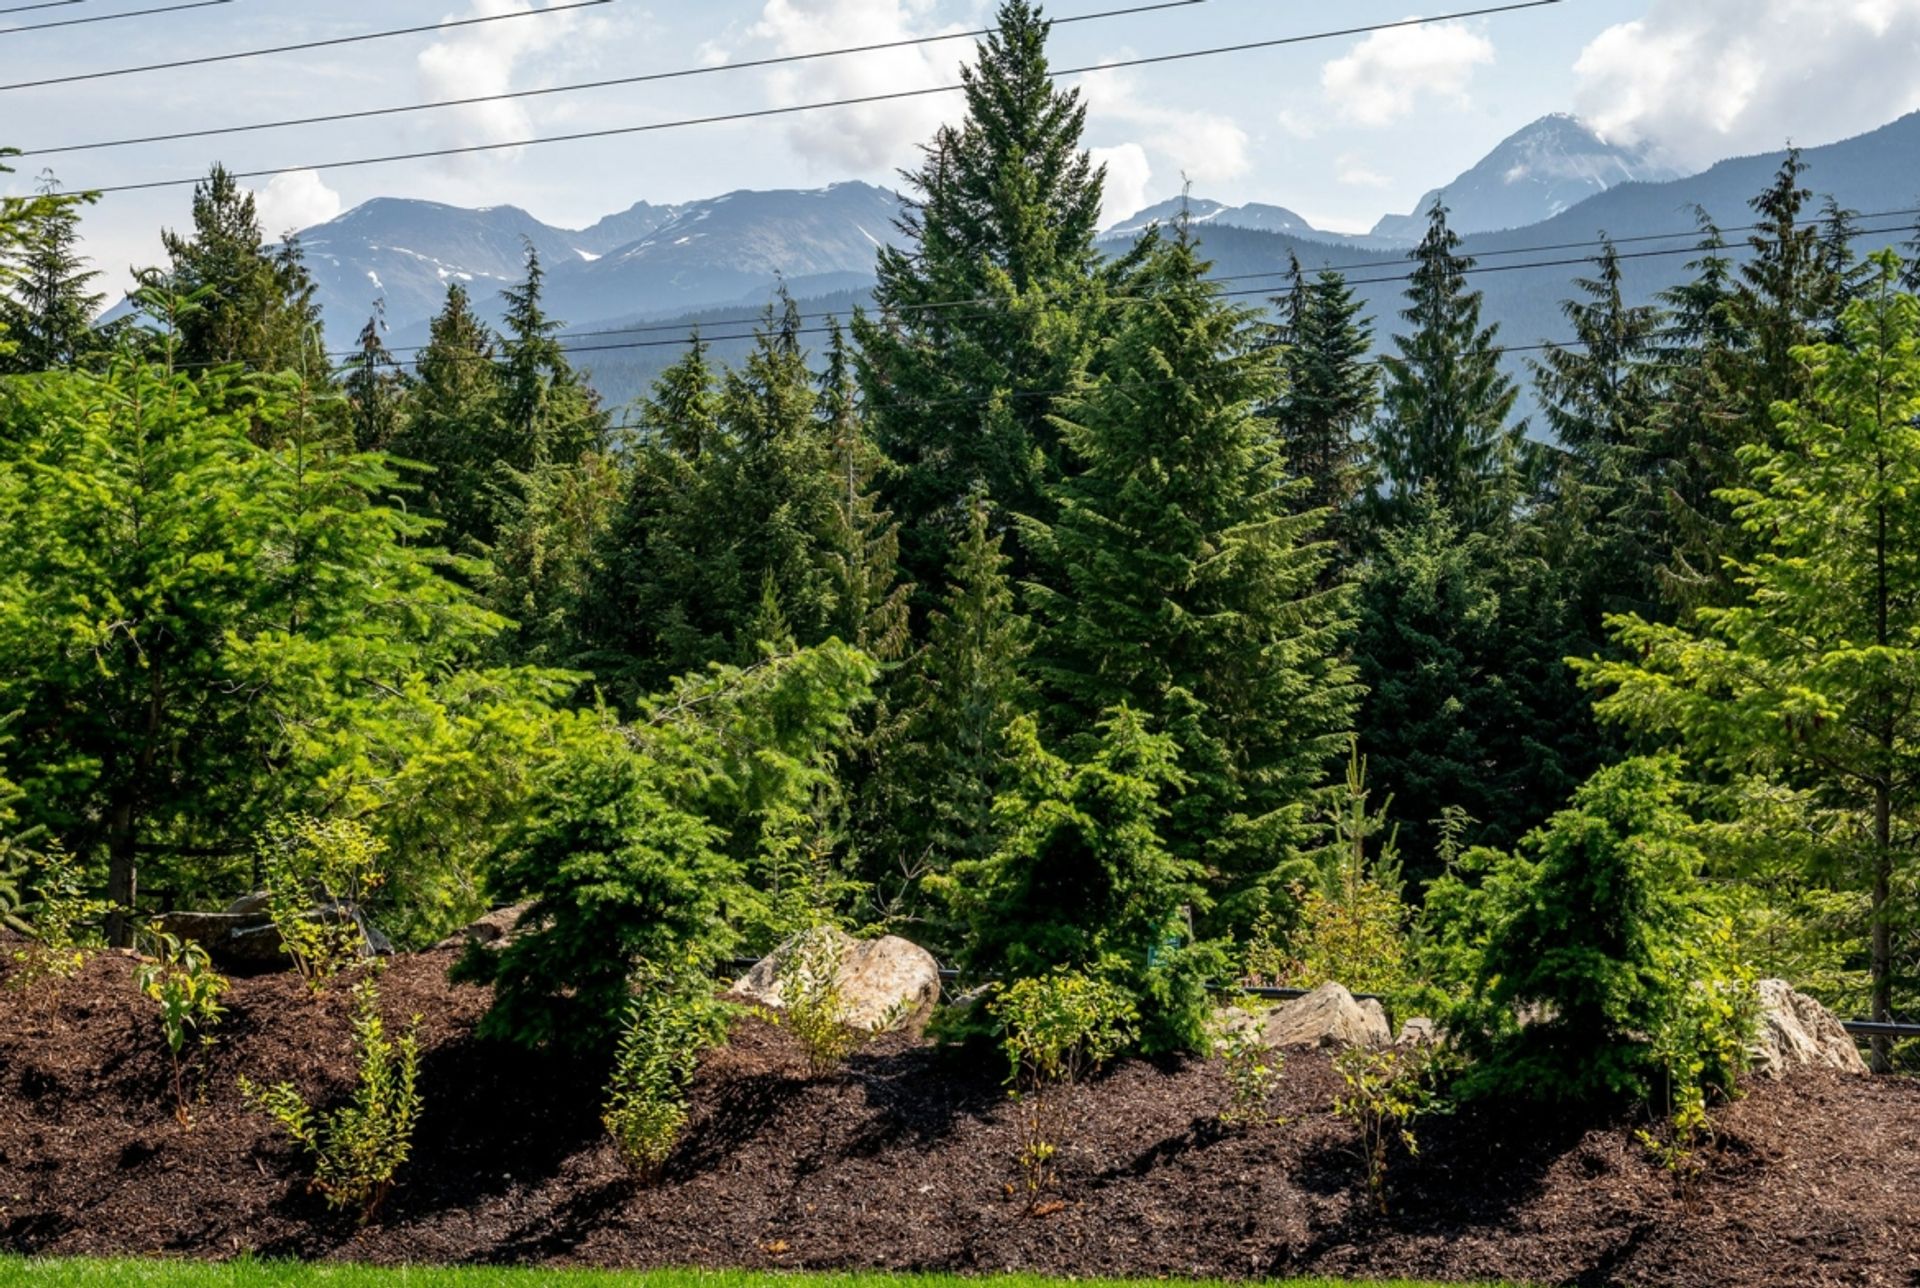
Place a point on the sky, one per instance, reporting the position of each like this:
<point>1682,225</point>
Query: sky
<point>1340,130</point>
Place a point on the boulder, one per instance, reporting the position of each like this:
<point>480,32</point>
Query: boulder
<point>1797,1032</point>
<point>1329,1016</point>
<point>881,980</point>
<point>243,937</point>
<point>495,930</point>
<point>1419,1032</point>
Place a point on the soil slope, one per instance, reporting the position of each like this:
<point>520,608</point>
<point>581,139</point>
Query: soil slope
<point>906,1162</point>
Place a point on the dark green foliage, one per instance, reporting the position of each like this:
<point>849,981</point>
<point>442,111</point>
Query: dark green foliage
<point>456,424</point>
<point>256,306</point>
<point>1084,882</point>
<point>48,304</point>
<point>1600,948</point>
<point>1180,584</point>
<point>1444,430</point>
<point>552,416</point>
<point>1329,390</point>
<point>376,388</point>
<point>869,598</point>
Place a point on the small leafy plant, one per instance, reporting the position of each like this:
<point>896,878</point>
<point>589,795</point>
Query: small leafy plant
<point>180,979</point>
<point>1386,1090</point>
<point>1056,1030</point>
<point>668,1027</point>
<point>1253,1071</point>
<point>811,995</point>
<point>359,1147</point>
<point>57,918</point>
<point>314,870</point>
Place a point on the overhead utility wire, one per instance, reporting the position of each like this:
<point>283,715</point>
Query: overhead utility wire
<point>647,78</point>
<point>682,331</point>
<point>44,4</point>
<point>762,113</point>
<point>110,17</point>
<point>330,43</point>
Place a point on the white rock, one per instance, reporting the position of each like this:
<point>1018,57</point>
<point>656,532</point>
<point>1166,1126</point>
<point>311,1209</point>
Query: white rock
<point>1329,1016</point>
<point>1797,1032</point>
<point>881,981</point>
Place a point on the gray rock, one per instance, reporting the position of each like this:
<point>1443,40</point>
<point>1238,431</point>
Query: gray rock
<point>244,938</point>
<point>1329,1016</point>
<point>882,981</point>
<point>495,930</point>
<point>1797,1033</point>
<point>1419,1032</point>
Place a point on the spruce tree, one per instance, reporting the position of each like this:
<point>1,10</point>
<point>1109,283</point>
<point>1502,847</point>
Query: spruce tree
<point>254,302</point>
<point>1444,430</point>
<point>376,387</point>
<point>993,303</point>
<point>456,424</point>
<point>48,306</point>
<point>1328,394</point>
<point>551,414</point>
<point>870,599</point>
<point>1180,583</point>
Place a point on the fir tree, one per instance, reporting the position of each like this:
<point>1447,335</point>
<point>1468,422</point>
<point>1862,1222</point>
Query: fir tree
<point>1329,391</point>
<point>456,424</point>
<point>376,387</point>
<point>550,412</point>
<point>1444,431</point>
<point>49,305</point>
<point>1003,216</point>
<point>870,608</point>
<point>1180,583</point>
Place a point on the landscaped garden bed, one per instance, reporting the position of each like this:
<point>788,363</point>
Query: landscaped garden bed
<point>906,1160</point>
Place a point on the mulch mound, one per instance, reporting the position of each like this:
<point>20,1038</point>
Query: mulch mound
<point>906,1162</point>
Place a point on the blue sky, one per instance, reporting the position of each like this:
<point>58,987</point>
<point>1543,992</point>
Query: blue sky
<point>1341,130</point>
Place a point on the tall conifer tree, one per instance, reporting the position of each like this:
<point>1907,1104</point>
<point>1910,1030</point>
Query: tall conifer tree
<point>49,303</point>
<point>1329,392</point>
<point>456,424</point>
<point>376,387</point>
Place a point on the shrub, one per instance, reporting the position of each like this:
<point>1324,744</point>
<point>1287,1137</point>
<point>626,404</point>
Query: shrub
<point>314,868</point>
<point>1385,1091</point>
<point>1055,1030</point>
<point>1605,936</point>
<point>811,999</point>
<point>359,1147</point>
<point>58,917</point>
<point>182,982</point>
<point>1253,1070</point>
<point>669,1025</point>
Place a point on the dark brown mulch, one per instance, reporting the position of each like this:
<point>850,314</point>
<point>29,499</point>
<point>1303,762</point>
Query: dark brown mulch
<point>906,1162</point>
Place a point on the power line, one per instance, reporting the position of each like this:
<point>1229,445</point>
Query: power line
<point>647,78</point>
<point>44,4</point>
<point>681,332</point>
<point>109,17</point>
<point>763,113</point>
<point>330,43</point>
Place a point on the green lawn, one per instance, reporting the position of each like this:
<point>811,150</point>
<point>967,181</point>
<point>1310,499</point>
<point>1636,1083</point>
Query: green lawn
<point>261,1274</point>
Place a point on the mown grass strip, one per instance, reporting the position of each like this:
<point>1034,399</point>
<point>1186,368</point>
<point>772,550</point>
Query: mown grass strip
<point>283,1274</point>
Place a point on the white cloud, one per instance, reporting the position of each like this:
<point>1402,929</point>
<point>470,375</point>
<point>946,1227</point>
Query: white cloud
<point>1387,75</point>
<point>472,62</point>
<point>872,136</point>
<point>1128,174</point>
<point>1300,125</point>
<point>1206,147</point>
<point>1353,171</point>
<point>1706,79</point>
<point>295,202</point>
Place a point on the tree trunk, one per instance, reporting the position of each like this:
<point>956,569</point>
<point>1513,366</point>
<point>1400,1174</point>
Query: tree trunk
<point>122,874</point>
<point>1882,927</point>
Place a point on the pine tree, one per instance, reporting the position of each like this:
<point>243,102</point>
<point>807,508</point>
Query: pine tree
<point>48,306</point>
<point>1179,582</point>
<point>1444,431</point>
<point>1003,216</point>
<point>1329,392</point>
<point>551,414</point>
<point>456,425</point>
<point>376,387</point>
<point>870,608</point>
<point>255,302</point>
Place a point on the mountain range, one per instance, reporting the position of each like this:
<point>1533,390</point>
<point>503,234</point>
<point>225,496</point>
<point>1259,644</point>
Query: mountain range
<point>714,262</point>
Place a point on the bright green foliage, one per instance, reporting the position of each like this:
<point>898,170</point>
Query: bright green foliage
<point>256,306</point>
<point>1004,212</point>
<point>1444,434</point>
<point>60,918</point>
<point>1385,1091</point>
<point>812,1003</point>
<point>670,1023</point>
<point>201,630</point>
<point>456,424</point>
<point>358,1148</point>
<point>946,760</point>
<point>549,530</point>
<point>181,981</point>
<point>661,841</point>
<point>1352,927</point>
<point>1056,1029</point>
<point>1083,882</point>
<point>1252,1070</point>
<point>315,871</point>
<point>1178,583</point>
<point>869,599</point>
<point>1605,941</point>
<point>1329,390</point>
<point>47,304</point>
<point>1810,680</point>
